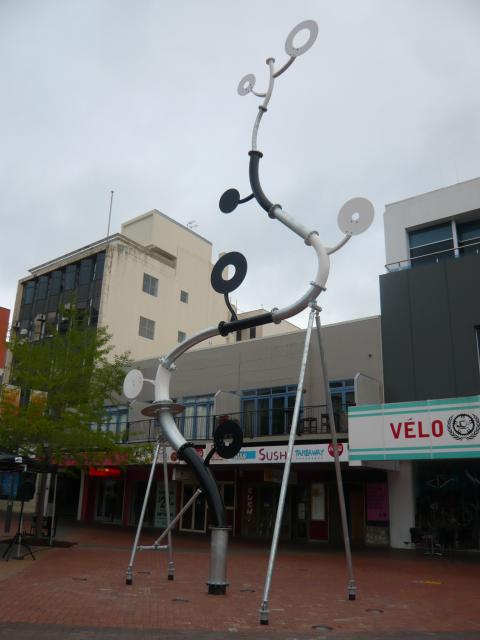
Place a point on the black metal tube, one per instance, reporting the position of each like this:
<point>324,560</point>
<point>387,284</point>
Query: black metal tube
<point>208,484</point>
<point>224,328</point>
<point>260,197</point>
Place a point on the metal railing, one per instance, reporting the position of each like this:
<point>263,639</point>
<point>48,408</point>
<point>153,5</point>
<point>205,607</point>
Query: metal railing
<point>436,256</point>
<point>255,424</point>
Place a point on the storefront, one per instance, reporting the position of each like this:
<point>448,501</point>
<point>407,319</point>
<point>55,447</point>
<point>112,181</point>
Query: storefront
<point>250,487</point>
<point>435,488</point>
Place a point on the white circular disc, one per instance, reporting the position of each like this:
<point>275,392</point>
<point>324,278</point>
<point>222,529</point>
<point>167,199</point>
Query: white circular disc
<point>355,216</point>
<point>133,383</point>
<point>293,51</point>
<point>246,84</point>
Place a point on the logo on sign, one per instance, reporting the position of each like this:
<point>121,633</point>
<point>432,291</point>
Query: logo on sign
<point>332,452</point>
<point>463,426</point>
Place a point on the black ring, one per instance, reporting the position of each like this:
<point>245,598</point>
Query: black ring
<point>229,201</point>
<point>238,261</point>
<point>231,430</point>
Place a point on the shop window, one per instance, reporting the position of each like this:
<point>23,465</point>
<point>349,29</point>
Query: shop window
<point>267,411</point>
<point>146,328</point>
<point>150,285</point>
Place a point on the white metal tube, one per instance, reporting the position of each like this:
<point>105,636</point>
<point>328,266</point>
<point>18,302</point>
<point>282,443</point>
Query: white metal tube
<point>170,429</point>
<point>286,472</point>
<point>171,566</point>
<point>263,108</point>
<point>341,244</point>
<point>177,517</point>
<point>188,343</point>
<point>317,286</point>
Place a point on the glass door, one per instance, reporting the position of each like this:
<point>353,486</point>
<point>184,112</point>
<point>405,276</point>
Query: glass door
<point>195,518</point>
<point>109,507</point>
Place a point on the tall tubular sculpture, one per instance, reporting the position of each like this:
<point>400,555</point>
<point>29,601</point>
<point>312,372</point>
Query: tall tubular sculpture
<point>354,217</point>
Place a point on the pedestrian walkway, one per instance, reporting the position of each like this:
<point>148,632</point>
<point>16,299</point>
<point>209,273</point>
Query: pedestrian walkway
<point>83,586</point>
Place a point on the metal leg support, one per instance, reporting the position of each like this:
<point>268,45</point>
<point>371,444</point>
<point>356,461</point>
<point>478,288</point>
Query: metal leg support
<point>171,564</point>
<point>129,577</point>
<point>264,611</point>
<point>352,588</point>
<point>217,580</point>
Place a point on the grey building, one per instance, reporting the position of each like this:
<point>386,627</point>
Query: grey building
<point>255,382</point>
<point>430,423</point>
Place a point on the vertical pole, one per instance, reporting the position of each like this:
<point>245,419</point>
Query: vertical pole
<point>129,577</point>
<point>171,565</point>
<point>352,588</point>
<point>54,506</point>
<point>264,611</point>
<point>110,213</point>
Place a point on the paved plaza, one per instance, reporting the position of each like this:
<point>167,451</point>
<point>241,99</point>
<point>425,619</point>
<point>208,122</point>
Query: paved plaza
<point>79,592</point>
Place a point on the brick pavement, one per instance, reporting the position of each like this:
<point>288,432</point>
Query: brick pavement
<point>83,587</point>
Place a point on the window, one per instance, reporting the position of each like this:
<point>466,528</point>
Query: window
<point>146,328</point>
<point>181,336</point>
<point>431,244</point>
<point>28,291</point>
<point>116,421</point>
<point>70,277</point>
<point>55,283</point>
<point>99,265</point>
<point>267,411</point>
<point>184,296</point>
<point>150,285</point>
<point>196,421</point>
<point>253,332</point>
<point>238,336</point>
<point>342,393</point>
<point>468,234</point>
<point>477,335</point>
<point>86,271</point>
<point>42,286</point>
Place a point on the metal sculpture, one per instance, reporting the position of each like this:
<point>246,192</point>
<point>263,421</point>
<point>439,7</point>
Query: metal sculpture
<point>354,217</point>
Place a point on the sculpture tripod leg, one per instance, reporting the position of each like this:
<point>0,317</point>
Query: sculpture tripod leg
<point>352,588</point>
<point>129,577</point>
<point>264,611</point>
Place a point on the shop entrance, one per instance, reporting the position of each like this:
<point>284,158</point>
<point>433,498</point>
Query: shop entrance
<point>195,518</point>
<point>109,502</point>
<point>259,511</point>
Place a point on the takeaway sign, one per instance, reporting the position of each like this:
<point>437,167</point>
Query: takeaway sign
<point>432,429</point>
<point>322,452</point>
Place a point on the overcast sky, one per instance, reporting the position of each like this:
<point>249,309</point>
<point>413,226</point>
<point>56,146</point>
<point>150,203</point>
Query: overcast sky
<point>140,96</point>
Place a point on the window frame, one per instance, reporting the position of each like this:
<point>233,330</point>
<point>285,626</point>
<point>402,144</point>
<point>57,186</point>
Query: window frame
<point>146,324</point>
<point>150,285</point>
<point>184,296</point>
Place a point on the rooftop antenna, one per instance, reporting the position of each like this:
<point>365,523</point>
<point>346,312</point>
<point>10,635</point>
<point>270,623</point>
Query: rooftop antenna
<point>110,212</point>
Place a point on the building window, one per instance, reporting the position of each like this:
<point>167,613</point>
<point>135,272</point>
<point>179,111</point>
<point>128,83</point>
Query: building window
<point>146,328</point>
<point>238,336</point>
<point>184,296</point>
<point>150,285</point>
<point>70,277</point>
<point>468,234</point>
<point>181,336</point>
<point>431,244</point>
<point>268,411</point>
<point>28,292</point>
<point>116,421</point>
<point>196,422</point>
<point>253,332</point>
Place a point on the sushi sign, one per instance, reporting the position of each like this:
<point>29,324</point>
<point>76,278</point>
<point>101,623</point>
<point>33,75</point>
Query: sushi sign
<point>432,429</point>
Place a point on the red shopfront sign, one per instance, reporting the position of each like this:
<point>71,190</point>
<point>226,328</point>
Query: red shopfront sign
<point>104,472</point>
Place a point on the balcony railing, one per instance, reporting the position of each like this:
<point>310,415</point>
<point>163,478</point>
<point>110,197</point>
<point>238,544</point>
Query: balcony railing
<point>255,424</point>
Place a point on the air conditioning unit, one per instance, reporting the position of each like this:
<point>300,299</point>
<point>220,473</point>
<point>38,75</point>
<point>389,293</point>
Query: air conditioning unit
<point>23,332</point>
<point>41,317</point>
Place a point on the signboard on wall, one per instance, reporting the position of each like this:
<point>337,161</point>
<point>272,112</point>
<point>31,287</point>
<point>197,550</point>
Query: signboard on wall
<point>275,454</point>
<point>376,498</point>
<point>432,429</point>
<point>161,506</point>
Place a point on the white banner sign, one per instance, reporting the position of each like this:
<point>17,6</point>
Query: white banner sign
<point>274,454</point>
<point>447,428</point>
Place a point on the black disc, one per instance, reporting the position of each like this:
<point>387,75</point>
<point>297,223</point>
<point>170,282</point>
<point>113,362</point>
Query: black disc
<point>229,201</point>
<point>228,439</point>
<point>234,259</point>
